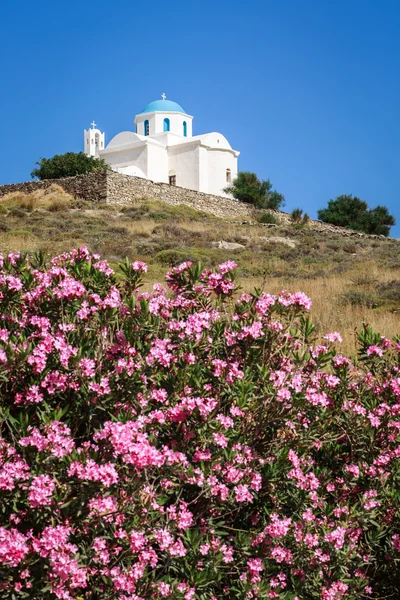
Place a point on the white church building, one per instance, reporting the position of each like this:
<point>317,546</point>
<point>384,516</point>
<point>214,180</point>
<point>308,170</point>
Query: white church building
<point>163,149</point>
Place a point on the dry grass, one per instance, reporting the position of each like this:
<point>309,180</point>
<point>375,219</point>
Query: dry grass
<point>53,198</point>
<point>328,311</point>
<point>343,277</point>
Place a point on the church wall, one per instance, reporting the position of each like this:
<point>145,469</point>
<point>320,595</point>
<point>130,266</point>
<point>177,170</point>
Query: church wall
<point>156,123</point>
<point>157,169</point>
<point>203,169</point>
<point>184,163</point>
<point>175,122</point>
<point>218,163</point>
<point>125,158</point>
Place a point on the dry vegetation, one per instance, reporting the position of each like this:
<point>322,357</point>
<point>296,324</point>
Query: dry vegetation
<point>349,281</point>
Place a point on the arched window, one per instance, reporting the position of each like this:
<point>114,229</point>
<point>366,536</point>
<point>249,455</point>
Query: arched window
<point>228,176</point>
<point>146,127</point>
<point>184,129</point>
<point>166,124</point>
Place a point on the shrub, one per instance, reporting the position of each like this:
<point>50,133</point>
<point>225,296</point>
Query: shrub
<point>152,446</point>
<point>350,211</point>
<point>68,165</point>
<point>17,212</point>
<point>205,256</point>
<point>296,215</point>
<point>246,187</point>
<point>389,290</point>
<point>361,298</point>
<point>59,206</point>
<point>267,217</point>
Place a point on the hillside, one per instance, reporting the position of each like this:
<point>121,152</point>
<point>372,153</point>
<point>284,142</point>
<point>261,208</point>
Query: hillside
<point>350,279</point>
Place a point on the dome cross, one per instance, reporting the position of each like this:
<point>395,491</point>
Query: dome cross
<point>163,96</point>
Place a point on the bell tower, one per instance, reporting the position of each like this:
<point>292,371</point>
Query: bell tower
<point>93,140</point>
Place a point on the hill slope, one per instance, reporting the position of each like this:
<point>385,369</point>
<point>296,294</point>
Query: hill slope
<point>350,279</point>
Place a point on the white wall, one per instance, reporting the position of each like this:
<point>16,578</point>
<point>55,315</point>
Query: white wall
<point>93,142</point>
<point>128,157</point>
<point>184,163</point>
<point>157,163</point>
<point>203,169</point>
<point>156,123</point>
<point>218,162</point>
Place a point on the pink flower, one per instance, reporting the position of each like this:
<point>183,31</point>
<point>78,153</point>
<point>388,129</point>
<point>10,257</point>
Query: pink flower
<point>333,337</point>
<point>353,469</point>
<point>105,473</point>
<point>278,527</point>
<point>177,549</point>
<point>242,493</point>
<point>281,554</point>
<point>335,592</point>
<point>227,267</point>
<point>374,351</point>
<point>220,440</point>
<point>139,266</point>
<point>40,491</point>
<point>13,547</point>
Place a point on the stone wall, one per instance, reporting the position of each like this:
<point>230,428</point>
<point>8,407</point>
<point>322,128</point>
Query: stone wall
<point>125,189</point>
<point>92,186</point>
<point>114,188</point>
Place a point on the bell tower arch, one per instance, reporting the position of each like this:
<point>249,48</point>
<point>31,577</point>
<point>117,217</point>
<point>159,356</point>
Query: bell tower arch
<point>93,140</point>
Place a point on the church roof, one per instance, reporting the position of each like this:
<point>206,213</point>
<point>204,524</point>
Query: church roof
<point>163,106</point>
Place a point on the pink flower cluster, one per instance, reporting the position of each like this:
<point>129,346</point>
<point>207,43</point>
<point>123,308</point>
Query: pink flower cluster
<point>190,443</point>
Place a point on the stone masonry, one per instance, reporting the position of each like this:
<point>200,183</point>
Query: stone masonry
<point>124,189</point>
<point>114,188</point>
<point>109,187</point>
<point>92,186</point>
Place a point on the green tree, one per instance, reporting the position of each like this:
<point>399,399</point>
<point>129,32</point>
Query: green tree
<point>248,188</point>
<point>352,212</point>
<point>67,165</point>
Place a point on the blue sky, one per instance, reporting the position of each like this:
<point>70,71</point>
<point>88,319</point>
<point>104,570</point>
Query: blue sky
<point>308,91</point>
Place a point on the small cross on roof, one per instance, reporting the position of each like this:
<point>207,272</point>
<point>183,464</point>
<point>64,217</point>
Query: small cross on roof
<point>163,96</point>
<point>93,124</point>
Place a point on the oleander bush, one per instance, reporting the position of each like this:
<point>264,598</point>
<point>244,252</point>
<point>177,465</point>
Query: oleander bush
<point>190,444</point>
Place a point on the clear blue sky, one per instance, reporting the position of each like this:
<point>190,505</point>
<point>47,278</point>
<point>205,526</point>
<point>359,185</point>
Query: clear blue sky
<point>308,91</point>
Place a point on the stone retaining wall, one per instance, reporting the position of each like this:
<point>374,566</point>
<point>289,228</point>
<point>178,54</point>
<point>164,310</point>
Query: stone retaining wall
<point>124,189</point>
<point>92,186</point>
<point>114,188</point>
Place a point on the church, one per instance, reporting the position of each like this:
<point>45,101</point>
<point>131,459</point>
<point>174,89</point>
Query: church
<point>163,149</point>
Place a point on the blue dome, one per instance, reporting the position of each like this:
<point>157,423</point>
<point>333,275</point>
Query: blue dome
<point>163,106</point>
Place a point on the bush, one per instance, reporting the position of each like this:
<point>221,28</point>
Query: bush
<point>361,298</point>
<point>267,217</point>
<point>389,290</point>
<point>154,447</point>
<point>246,187</point>
<point>296,215</point>
<point>68,165</point>
<point>207,257</point>
<point>59,206</point>
<point>350,211</point>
